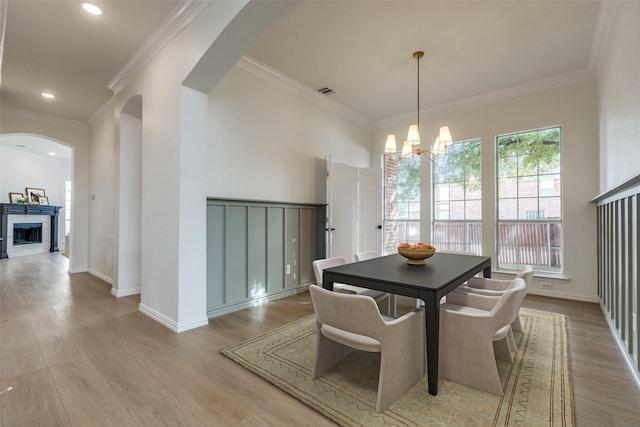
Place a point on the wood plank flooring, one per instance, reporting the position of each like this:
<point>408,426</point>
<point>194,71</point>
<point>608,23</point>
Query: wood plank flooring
<point>77,356</point>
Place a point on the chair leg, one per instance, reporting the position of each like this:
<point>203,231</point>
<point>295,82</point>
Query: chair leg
<point>399,372</point>
<point>328,353</point>
<point>512,341</point>
<point>516,325</point>
<point>502,350</point>
<point>476,369</point>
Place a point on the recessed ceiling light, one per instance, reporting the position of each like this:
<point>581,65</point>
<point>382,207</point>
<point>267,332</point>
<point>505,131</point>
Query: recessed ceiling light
<point>52,154</point>
<point>92,9</point>
<point>48,95</point>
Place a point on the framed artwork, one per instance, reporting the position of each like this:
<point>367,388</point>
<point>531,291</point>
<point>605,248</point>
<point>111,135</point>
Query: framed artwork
<point>34,194</point>
<point>44,200</point>
<point>16,197</point>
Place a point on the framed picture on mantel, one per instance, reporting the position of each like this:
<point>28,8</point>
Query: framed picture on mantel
<point>44,200</point>
<point>16,198</point>
<point>34,194</point>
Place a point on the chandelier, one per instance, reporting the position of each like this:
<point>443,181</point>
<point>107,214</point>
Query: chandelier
<point>411,146</point>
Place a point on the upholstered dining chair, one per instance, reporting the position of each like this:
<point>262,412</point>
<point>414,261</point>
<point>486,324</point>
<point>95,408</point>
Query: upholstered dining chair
<point>361,256</point>
<point>474,331</point>
<point>345,322</point>
<point>320,264</point>
<point>496,287</point>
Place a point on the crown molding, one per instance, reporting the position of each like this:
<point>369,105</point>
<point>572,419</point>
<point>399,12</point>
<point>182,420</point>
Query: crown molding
<point>180,17</point>
<point>105,109</point>
<point>499,95</point>
<point>265,72</point>
<point>603,29</point>
<point>17,113</point>
<point>4,4</point>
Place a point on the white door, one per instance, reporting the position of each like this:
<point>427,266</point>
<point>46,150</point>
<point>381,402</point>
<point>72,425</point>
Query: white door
<point>370,209</point>
<point>342,209</point>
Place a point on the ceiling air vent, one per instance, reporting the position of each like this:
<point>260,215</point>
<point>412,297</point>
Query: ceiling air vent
<point>326,91</point>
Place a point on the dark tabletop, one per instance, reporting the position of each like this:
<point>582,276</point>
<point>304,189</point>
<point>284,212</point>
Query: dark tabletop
<point>439,270</point>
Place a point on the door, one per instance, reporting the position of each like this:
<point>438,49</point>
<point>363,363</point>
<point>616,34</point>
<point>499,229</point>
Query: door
<point>342,209</point>
<point>354,209</point>
<point>370,209</point>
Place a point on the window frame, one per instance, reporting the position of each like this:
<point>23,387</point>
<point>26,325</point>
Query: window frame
<point>533,240</point>
<point>464,225</point>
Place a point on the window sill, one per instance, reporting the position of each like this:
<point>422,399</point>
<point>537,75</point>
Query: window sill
<point>510,274</point>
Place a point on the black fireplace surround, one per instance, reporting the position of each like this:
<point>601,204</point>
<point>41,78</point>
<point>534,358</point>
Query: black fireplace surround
<point>7,209</point>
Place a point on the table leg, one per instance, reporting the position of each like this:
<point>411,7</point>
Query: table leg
<point>432,318</point>
<point>487,272</point>
<point>327,281</point>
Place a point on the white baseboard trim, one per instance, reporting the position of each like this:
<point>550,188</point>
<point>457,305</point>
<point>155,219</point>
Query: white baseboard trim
<point>631,364</point>
<point>564,295</point>
<point>170,323</point>
<point>125,292</point>
<point>99,275</point>
<point>78,270</point>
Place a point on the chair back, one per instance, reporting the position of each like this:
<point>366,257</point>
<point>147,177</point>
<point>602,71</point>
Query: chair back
<point>508,306</point>
<point>357,314</point>
<point>527,275</point>
<point>361,256</point>
<point>320,264</point>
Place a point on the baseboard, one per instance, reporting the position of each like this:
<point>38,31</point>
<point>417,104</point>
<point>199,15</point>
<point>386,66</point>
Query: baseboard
<point>564,295</point>
<point>125,292</point>
<point>215,312</point>
<point>631,364</point>
<point>99,275</point>
<point>170,323</point>
<point>78,270</point>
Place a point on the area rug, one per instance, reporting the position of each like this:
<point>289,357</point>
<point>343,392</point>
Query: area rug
<point>538,389</point>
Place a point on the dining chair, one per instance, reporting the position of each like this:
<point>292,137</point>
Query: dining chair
<point>346,321</point>
<point>495,287</point>
<point>320,264</point>
<point>361,256</point>
<point>474,331</point>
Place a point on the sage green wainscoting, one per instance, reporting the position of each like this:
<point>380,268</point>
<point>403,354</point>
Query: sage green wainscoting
<point>259,250</point>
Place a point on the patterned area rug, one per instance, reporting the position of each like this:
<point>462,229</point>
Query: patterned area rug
<point>537,386</point>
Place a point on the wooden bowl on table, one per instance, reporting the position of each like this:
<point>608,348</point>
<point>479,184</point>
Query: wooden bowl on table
<point>416,254</point>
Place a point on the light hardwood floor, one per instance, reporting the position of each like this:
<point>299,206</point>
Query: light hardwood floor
<point>77,356</point>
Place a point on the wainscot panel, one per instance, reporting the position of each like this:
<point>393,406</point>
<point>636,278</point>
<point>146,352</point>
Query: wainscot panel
<point>260,250</point>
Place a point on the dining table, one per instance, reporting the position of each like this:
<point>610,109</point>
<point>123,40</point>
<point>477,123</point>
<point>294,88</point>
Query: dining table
<point>440,274</point>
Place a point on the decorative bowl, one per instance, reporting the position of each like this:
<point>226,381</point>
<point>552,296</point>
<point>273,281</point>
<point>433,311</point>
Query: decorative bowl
<point>416,254</point>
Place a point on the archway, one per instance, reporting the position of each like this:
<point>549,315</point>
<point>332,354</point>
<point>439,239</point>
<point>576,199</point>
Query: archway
<point>32,160</point>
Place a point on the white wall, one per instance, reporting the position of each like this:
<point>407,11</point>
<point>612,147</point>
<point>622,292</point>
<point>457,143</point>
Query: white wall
<point>268,143</point>
<point>173,200</point>
<point>619,93</point>
<point>19,169</point>
<point>75,134</point>
<point>101,238</point>
<point>572,107</point>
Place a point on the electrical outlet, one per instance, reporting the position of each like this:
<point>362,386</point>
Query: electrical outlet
<point>548,286</point>
<point>288,268</point>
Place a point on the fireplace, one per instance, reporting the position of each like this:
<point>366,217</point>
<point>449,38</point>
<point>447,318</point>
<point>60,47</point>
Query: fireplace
<point>26,233</point>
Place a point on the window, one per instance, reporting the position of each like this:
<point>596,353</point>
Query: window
<point>530,200</point>
<point>401,201</point>
<point>457,198</point>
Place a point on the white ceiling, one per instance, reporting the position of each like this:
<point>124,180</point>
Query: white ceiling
<point>361,49</point>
